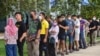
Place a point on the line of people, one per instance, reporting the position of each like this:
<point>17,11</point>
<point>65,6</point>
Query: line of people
<point>49,37</point>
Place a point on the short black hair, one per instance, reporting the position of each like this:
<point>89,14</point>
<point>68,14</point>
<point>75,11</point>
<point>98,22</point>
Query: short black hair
<point>62,15</point>
<point>19,13</point>
<point>74,16</point>
<point>79,16</point>
<point>34,11</point>
<point>43,14</point>
<point>58,17</point>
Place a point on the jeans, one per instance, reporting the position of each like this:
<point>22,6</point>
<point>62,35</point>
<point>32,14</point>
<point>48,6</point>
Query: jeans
<point>43,46</point>
<point>70,39</point>
<point>11,50</point>
<point>82,41</point>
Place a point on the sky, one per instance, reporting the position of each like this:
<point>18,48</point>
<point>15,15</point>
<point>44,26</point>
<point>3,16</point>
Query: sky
<point>85,2</point>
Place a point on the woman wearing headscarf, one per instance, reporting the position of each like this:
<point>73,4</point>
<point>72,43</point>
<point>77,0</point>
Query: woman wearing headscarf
<point>11,36</point>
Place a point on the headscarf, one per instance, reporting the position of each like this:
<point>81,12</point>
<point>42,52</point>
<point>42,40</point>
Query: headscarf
<point>11,27</point>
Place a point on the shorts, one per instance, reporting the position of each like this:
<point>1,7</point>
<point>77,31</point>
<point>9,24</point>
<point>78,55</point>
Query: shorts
<point>61,37</point>
<point>77,36</point>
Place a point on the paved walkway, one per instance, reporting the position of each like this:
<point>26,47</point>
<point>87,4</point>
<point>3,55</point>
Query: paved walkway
<point>1,35</point>
<point>90,51</point>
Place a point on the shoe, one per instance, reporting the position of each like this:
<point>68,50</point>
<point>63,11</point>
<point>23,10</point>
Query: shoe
<point>58,52</point>
<point>77,49</point>
<point>67,53</point>
<point>62,54</point>
<point>71,51</point>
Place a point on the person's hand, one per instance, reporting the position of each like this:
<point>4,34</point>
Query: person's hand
<point>76,26</point>
<point>6,41</point>
<point>72,33</point>
<point>30,38</point>
<point>36,41</point>
<point>21,39</point>
<point>60,25</point>
<point>90,28</point>
<point>45,40</point>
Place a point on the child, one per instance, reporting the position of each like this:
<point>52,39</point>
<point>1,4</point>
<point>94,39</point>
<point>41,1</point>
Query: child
<point>11,35</point>
<point>54,30</point>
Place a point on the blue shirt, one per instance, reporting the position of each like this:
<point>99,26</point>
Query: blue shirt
<point>70,25</point>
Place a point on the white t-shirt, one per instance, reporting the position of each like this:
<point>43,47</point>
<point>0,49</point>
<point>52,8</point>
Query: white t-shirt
<point>77,23</point>
<point>56,29</point>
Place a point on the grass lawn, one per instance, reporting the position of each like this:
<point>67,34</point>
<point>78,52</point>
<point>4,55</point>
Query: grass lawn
<point>2,47</point>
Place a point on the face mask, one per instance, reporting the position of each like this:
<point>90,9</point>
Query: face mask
<point>40,17</point>
<point>94,18</point>
<point>69,18</point>
<point>54,24</point>
<point>63,18</point>
<point>80,18</point>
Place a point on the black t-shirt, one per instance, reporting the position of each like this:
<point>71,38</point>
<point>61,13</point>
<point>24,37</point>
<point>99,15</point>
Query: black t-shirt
<point>92,24</point>
<point>21,28</point>
<point>61,30</point>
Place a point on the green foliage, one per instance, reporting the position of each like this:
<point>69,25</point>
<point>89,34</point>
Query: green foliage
<point>43,5</point>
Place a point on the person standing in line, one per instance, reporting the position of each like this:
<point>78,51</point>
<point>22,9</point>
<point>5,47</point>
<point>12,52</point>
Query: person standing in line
<point>43,35</point>
<point>82,41</point>
<point>86,30</point>
<point>70,32</point>
<point>77,31</point>
<point>11,36</point>
<point>93,31</point>
<point>49,19</point>
<point>98,30</point>
<point>21,32</point>
<point>53,39</point>
<point>33,35</point>
<point>61,36</point>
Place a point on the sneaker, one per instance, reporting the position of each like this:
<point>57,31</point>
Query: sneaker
<point>67,53</point>
<point>71,51</point>
<point>77,49</point>
<point>62,54</point>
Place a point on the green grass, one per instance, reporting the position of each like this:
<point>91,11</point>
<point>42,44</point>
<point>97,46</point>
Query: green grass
<point>2,49</point>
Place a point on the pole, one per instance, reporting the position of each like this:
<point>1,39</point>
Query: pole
<point>18,5</point>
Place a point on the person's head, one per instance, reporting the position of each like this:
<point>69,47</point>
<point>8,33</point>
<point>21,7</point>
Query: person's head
<point>33,14</point>
<point>10,22</point>
<point>42,16</point>
<point>69,16</point>
<point>48,18</point>
<point>94,18</point>
<point>10,27</point>
<point>59,19</point>
<point>54,22</point>
<point>79,17</point>
<point>18,16</point>
<point>63,16</point>
<point>90,20</point>
<point>74,17</point>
